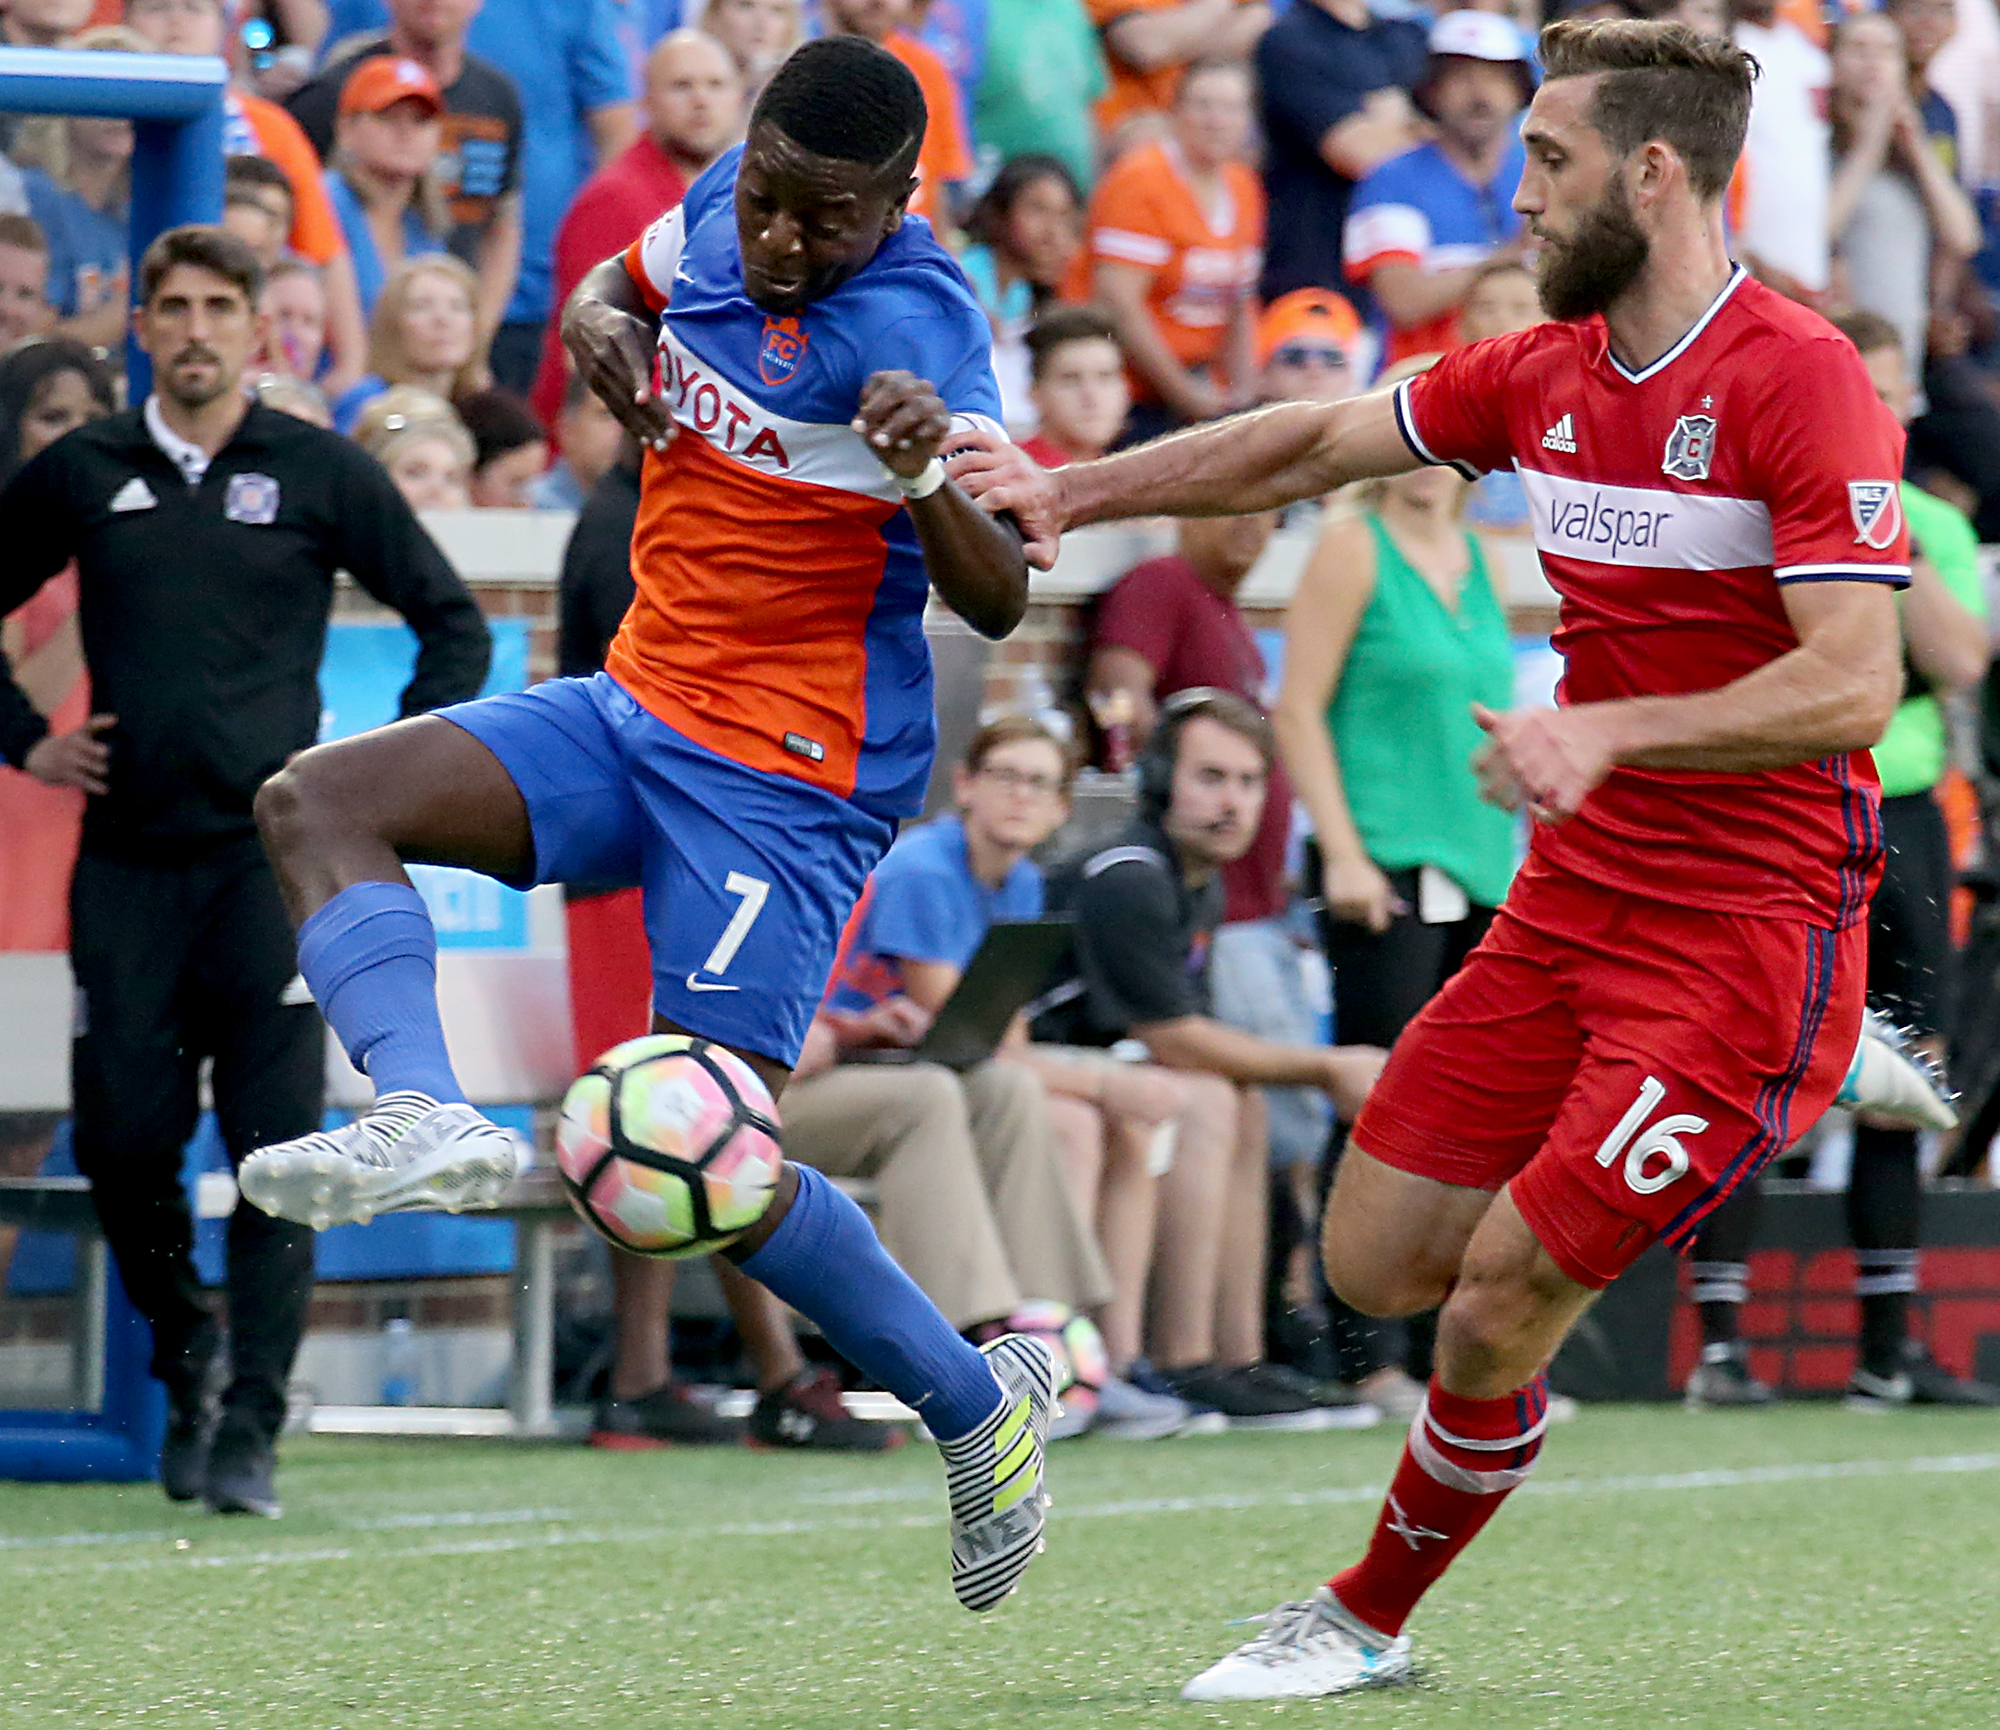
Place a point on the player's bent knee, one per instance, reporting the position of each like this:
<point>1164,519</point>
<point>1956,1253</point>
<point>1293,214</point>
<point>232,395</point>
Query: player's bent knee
<point>282,808</point>
<point>1375,1288</point>
<point>308,797</point>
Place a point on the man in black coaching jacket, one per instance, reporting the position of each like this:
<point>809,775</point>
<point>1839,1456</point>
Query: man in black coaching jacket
<point>206,532</point>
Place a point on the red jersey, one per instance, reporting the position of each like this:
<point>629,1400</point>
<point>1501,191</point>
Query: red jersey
<point>1669,507</point>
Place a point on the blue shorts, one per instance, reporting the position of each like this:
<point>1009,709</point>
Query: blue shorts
<point>748,876</point>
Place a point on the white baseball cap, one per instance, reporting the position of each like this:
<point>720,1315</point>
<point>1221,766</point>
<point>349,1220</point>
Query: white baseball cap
<point>1478,36</point>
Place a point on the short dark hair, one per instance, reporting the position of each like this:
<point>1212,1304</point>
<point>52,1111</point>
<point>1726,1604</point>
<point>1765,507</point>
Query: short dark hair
<point>1011,729</point>
<point>1661,81</point>
<point>246,171</point>
<point>499,422</point>
<point>1066,324</point>
<point>843,97</point>
<point>1187,707</point>
<point>24,232</point>
<point>205,247</point>
<point>1867,330</point>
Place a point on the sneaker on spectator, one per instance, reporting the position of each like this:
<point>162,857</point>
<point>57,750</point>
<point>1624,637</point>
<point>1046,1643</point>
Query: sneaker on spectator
<point>1352,1411</point>
<point>808,1412</point>
<point>1920,1380</point>
<point>667,1415</point>
<point>1128,1413</point>
<point>1397,1393</point>
<point>1723,1379</point>
<point>1267,1397</point>
<point>1203,1420</point>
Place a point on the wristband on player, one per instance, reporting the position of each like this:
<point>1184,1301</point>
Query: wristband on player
<point>921,486</point>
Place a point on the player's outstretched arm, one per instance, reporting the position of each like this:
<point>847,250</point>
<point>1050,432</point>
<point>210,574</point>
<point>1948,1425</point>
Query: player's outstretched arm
<point>1832,694</point>
<point>608,330</point>
<point>975,559</point>
<point>1257,461</point>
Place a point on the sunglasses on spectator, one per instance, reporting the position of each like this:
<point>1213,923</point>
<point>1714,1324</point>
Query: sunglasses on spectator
<point>1041,786</point>
<point>1310,354</point>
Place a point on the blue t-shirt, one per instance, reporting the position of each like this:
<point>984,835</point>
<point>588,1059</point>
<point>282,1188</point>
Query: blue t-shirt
<point>567,59</point>
<point>1420,202</point>
<point>924,904</point>
<point>89,252</point>
<point>369,271</point>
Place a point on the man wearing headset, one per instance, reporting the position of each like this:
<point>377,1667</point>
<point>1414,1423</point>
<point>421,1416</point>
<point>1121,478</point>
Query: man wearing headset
<point>1145,909</point>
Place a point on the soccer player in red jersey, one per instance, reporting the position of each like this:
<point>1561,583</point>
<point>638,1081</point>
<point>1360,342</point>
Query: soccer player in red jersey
<point>1674,986</point>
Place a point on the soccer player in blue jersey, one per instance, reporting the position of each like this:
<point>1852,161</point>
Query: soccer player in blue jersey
<point>763,723</point>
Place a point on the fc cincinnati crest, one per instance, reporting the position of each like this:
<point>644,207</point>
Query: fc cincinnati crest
<point>1690,448</point>
<point>1877,509</point>
<point>784,347</point>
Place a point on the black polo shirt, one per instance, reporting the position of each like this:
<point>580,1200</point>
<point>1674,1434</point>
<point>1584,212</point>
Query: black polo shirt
<point>1312,73</point>
<point>204,608</point>
<point>1142,938</point>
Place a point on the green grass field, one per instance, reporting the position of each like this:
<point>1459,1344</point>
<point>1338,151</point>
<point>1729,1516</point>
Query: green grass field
<point>1802,1567</point>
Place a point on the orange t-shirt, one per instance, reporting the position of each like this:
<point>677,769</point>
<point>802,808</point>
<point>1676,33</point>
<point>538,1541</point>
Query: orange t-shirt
<point>945,156</point>
<point>1132,91</point>
<point>316,232</point>
<point>40,825</point>
<point>1203,262</point>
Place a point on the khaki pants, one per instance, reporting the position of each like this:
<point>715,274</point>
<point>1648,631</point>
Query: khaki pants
<point>972,1201</point>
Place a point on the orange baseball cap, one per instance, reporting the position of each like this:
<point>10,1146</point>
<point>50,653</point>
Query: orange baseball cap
<point>1308,313</point>
<point>383,80</point>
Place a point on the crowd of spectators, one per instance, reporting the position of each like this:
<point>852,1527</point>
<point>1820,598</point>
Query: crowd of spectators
<point>1170,209</point>
<point>1180,169</point>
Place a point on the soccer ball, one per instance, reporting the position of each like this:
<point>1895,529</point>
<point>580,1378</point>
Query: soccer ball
<point>1074,1342</point>
<point>668,1145</point>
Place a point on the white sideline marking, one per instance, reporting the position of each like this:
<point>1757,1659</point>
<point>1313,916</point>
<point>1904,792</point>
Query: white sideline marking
<point>1725,1478</point>
<point>463,1517</point>
<point>383,1523</point>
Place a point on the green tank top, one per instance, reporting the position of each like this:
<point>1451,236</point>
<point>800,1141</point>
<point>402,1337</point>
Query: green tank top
<point>1402,726</point>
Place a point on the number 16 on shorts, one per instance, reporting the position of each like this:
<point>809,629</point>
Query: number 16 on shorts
<point>1654,1154</point>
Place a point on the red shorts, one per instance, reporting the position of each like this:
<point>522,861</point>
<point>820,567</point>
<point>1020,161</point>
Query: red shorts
<point>1623,1065</point>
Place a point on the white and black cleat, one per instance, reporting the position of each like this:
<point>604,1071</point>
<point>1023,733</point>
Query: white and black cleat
<point>405,1152</point>
<point>1307,1651</point>
<point>994,1476</point>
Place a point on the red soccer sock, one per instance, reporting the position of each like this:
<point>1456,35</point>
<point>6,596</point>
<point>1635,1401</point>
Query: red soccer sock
<point>1462,1458</point>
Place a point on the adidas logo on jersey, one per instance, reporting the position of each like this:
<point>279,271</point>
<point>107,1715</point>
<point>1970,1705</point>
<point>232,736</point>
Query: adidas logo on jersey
<point>1561,437</point>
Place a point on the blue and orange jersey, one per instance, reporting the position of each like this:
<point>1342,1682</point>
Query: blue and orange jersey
<point>778,618</point>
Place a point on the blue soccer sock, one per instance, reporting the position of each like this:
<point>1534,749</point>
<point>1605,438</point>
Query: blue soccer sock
<point>369,957</point>
<point>827,1263</point>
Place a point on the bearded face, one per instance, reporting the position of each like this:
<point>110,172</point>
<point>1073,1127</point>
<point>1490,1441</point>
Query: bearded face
<point>1585,271</point>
